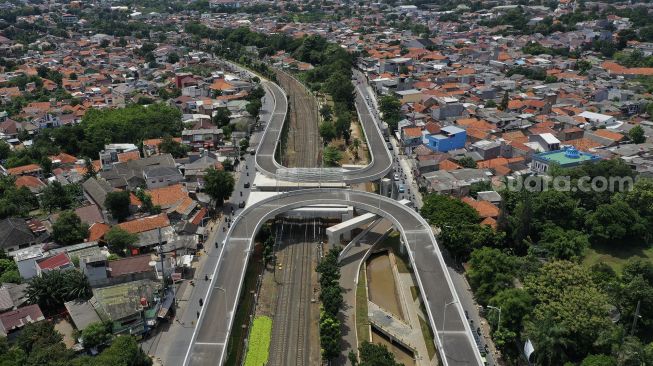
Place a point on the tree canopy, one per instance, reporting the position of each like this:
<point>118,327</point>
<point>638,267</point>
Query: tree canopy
<point>219,185</point>
<point>69,229</point>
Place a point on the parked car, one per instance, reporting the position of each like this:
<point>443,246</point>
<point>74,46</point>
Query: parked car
<point>396,176</point>
<point>401,189</point>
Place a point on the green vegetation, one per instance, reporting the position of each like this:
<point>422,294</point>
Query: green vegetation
<point>390,108</point>
<point>259,342</point>
<point>15,201</point>
<point>58,197</point>
<point>96,334</point>
<point>372,354</point>
<point>332,300</point>
<point>120,240</point>
<point>331,156</point>
<point>118,204</point>
<point>52,289</point>
<point>219,185</point>
<point>8,269</point>
<point>69,229</point>
<point>362,322</point>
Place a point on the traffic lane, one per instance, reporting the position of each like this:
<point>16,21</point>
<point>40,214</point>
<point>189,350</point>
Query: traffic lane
<point>433,282</point>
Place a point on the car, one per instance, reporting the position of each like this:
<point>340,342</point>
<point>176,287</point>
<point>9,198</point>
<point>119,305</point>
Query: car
<point>246,185</point>
<point>401,189</point>
<point>389,146</point>
<point>241,205</point>
<point>396,176</point>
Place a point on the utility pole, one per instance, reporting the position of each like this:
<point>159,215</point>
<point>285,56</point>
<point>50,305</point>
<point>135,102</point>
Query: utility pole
<point>632,329</point>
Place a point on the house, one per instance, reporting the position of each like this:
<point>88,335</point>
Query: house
<point>111,154</point>
<point>161,176</point>
<point>449,138</point>
<point>598,119</point>
<point>207,138</point>
<point>56,262</point>
<point>131,174</point>
<point>130,306</point>
<point>565,158</point>
<point>96,190</point>
<point>15,234</point>
<point>12,296</point>
<point>12,321</point>
<point>101,272</point>
<point>81,313</point>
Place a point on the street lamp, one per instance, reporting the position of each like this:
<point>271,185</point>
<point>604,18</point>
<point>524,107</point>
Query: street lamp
<point>444,317</point>
<point>499,310</point>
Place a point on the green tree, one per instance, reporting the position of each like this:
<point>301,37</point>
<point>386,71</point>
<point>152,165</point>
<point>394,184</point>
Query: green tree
<point>331,156</point>
<point>90,169</point>
<point>329,336</point>
<point>515,305</point>
<point>376,355</point>
<point>173,58</point>
<point>174,148</point>
<point>490,271</point>
<point>55,197</point>
<point>327,131</point>
<point>219,185</point>
<point>221,116</point>
<point>636,135</point>
<point>118,204</point>
<point>254,108</point>
<point>442,211</point>
<point>467,162</point>
<point>124,351</point>
<point>5,150</point>
<point>616,222</point>
<point>120,240</point>
<point>69,229</point>
<point>570,314</point>
<point>96,334</point>
<point>390,108</point>
<point>599,360</point>
<point>558,243</point>
<point>504,101</point>
<point>52,289</point>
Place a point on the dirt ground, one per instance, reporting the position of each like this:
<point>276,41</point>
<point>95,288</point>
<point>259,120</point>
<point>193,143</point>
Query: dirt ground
<point>67,331</point>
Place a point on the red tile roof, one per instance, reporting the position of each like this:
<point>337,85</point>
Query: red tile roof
<point>129,265</point>
<point>20,317</point>
<point>54,262</point>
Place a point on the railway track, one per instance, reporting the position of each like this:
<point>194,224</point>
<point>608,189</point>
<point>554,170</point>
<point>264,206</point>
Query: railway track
<point>302,150</point>
<point>291,326</point>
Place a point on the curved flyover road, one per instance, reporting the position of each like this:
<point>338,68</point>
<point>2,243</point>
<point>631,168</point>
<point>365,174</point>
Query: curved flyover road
<point>266,163</point>
<point>208,342</point>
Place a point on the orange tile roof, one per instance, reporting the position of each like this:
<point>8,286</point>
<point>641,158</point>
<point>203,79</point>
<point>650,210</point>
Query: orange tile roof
<point>584,144</point>
<point>412,132</point>
<point>64,158</point>
<point>615,136</point>
<point>448,165</point>
<point>128,156</point>
<point>492,163</point>
<point>479,124</point>
<point>29,168</point>
<point>488,221</point>
<point>221,84</point>
<point>29,182</point>
<point>484,208</point>
<point>145,224</point>
<point>97,231</point>
<point>167,196</point>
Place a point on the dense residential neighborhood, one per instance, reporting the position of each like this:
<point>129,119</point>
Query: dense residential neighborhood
<point>132,144</point>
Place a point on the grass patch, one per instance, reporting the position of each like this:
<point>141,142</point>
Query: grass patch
<point>362,322</point>
<point>393,241</point>
<point>615,257</point>
<point>415,292</point>
<point>259,342</point>
<point>427,333</point>
<point>245,307</point>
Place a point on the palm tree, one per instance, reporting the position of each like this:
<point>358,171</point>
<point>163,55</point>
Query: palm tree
<point>551,341</point>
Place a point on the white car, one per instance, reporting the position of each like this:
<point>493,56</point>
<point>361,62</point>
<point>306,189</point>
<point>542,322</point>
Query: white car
<point>397,176</point>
